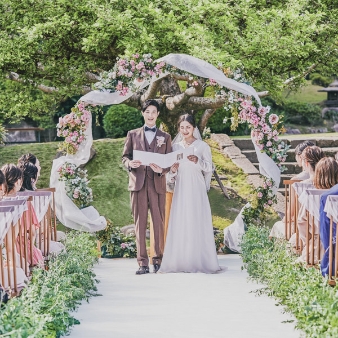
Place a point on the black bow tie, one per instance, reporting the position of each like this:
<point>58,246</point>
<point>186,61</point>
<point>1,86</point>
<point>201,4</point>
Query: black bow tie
<point>150,129</point>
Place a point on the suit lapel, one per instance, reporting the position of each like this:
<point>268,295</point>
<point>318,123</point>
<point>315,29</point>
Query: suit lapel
<point>142,137</point>
<point>158,133</point>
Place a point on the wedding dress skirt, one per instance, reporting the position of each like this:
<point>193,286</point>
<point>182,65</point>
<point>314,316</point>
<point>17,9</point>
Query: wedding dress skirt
<point>190,244</point>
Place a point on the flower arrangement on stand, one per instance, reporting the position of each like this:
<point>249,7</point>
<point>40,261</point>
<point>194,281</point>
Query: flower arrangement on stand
<point>73,127</point>
<point>76,184</point>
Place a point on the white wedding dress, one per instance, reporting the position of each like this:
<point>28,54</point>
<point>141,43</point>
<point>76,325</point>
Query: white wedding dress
<point>190,244</point>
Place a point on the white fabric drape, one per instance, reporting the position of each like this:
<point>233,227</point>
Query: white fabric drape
<point>310,199</point>
<point>183,62</point>
<point>41,201</point>
<point>87,219</point>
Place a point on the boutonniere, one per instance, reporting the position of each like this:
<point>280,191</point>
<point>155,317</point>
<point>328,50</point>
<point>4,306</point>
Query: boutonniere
<point>160,140</point>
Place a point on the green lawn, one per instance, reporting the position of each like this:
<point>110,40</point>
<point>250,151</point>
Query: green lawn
<point>308,94</point>
<point>109,179</point>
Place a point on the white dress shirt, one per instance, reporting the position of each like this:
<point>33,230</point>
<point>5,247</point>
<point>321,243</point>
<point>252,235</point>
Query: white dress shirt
<point>149,134</point>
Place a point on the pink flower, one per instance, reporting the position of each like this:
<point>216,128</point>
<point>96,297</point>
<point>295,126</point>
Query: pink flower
<point>269,144</point>
<point>273,118</point>
<point>140,65</point>
<point>260,146</point>
<point>259,195</point>
<point>269,202</point>
<point>123,245</point>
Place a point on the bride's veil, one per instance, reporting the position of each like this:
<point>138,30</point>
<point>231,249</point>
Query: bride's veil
<point>207,175</point>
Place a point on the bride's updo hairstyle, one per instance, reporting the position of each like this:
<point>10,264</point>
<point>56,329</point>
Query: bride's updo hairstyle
<point>326,173</point>
<point>186,117</point>
<point>12,174</point>
<point>313,155</point>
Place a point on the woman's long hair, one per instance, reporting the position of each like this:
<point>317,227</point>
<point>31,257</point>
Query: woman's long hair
<point>12,174</point>
<point>326,173</point>
<point>30,174</point>
<point>313,155</point>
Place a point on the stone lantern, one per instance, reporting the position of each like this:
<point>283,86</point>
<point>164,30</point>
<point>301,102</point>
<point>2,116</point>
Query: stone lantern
<point>332,97</point>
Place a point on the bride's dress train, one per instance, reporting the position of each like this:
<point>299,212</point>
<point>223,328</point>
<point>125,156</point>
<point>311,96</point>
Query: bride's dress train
<point>190,244</point>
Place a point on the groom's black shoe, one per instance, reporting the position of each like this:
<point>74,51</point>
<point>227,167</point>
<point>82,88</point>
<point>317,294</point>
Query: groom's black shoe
<point>142,270</point>
<point>156,267</point>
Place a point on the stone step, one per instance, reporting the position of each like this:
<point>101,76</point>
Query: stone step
<point>252,157</point>
<point>292,168</point>
<point>282,178</point>
<point>330,142</point>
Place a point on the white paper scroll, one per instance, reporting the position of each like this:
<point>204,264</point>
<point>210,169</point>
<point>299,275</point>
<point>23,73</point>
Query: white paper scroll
<point>162,160</point>
<point>331,207</point>
<point>310,199</point>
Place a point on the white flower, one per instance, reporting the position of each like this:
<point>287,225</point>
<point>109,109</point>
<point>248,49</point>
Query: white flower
<point>160,140</point>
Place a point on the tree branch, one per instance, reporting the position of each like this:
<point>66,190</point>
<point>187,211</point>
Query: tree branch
<point>291,79</point>
<point>152,90</point>
<point>175,102</point>
<point>200,103</point>
<point>16,77</point>
<point>204,119</point>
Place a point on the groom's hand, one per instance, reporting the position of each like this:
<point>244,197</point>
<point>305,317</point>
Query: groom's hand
<point>156,168</point>
<point>134,163</point>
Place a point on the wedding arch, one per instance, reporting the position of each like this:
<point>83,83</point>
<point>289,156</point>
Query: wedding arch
<point>138,78</point>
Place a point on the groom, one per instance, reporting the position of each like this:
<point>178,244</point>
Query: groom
<point>147,184</point>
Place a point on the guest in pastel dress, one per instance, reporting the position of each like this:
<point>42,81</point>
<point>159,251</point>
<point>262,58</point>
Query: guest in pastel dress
<point>325,177</point>
<point>14,179</point>
<point>313,155</point>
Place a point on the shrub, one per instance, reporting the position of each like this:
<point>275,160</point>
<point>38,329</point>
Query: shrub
<point>320,80</point>
<point>119,119</point>
<point>304,292</point>
<point>296,112</point>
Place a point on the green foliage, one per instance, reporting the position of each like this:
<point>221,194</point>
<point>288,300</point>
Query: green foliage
<point>55,43</point>
<point>320,80</point>
<point>43,309</point>
<point>120,119</point>
<point>296,112</point>
<point>2,134</point>
<point>115,244</point>
<point>303,291</point>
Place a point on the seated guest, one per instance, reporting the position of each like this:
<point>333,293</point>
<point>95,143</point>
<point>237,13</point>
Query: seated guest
<point>303,175</point>
<point>325,231</point>
<point>307,156</point>
<point>14,179</point>
<point>30,178</point>
<point>325,177</point>
<point>30,158</point>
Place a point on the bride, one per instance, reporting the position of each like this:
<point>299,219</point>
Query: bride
<point>190,244</point>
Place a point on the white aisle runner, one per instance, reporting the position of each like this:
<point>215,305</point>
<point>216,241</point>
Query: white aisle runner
<point>179,305</point>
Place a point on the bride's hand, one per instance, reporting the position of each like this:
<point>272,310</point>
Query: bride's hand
<point>193,158</point>
<point>174,167</point>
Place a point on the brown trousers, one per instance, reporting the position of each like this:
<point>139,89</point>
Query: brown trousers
<point>141,201</point>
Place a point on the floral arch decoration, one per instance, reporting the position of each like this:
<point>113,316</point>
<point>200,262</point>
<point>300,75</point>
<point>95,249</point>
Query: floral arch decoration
<point>133,74</point>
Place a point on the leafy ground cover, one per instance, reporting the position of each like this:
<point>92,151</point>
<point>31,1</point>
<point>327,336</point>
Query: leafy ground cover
<point>43,309</point>
<point>303,291</point>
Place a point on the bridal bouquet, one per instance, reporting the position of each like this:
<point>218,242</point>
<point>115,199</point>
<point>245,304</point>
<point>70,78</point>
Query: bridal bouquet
<point>126,72</point>
<point>76,184</point>
<point>72,127</point>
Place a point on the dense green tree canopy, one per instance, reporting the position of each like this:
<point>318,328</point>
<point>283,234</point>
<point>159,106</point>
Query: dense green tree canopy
<point>64,44</point>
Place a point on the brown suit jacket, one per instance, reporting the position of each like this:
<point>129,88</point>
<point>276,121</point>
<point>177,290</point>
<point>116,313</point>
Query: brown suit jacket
<point>136,141</point>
